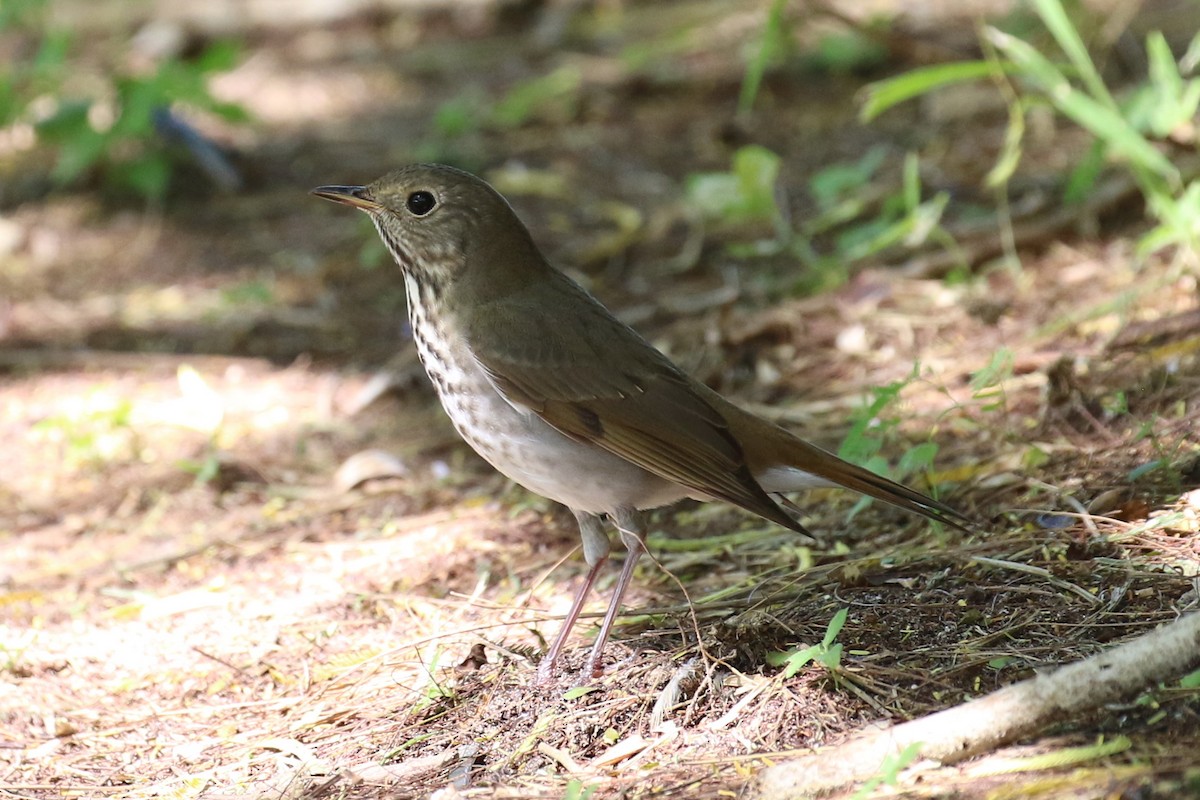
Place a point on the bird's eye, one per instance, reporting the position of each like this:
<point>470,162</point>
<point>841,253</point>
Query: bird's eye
<point>421,203</point>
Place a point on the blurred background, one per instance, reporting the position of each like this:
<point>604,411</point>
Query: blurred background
<point>154,154</point>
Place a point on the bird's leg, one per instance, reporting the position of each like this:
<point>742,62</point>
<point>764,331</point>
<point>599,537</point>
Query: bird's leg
<point>595,552</point>
<point>632,529</point>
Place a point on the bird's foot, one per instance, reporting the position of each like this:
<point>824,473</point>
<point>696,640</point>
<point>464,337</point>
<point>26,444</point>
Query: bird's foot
<point>547,672</point>
<point>594,667</point>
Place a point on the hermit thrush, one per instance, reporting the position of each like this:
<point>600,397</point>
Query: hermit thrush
<point>564,399</point>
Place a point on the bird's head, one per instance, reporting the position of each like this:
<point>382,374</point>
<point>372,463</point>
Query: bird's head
<point>441,224</point>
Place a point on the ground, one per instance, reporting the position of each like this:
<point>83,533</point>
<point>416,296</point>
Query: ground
<point>246,555</point>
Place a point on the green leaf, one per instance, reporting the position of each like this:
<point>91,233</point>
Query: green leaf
<point>137,99</point>
<point>837,184</point>
<point>889,771</point>
<point>51,54</point>
<point>1090,114</point>
<point>775,659</point>
<point>209,469</point>
<point>1084,175</point>
<point>925,219</point>
<point>835,626</point>
<point>1138,472</point>
<point>916,459</point>
<point>862,239</point>
<point>148,175</point>
<point>460,115</point>
<point>770,45</point>
<point>1055,18</point>
<point>21,13</point>
<point>746,194</point>
<point>911,183</point>
<point>78,154</point>
<point>1179,220</point>
<point>576,790</point>
<point>10,105</point>
<point>256,292</point>
<point>831,657</point>
<point>757,169</point>
<point>1168,101</point>
<point>1191,58</point>
<point>826,653</point>
<point>178,81</point>
<point>220,56</point>
<point>849,51</point>
<point>1034,457</point>
<point>999,369</point>
<point>1010,154</point>
<point>798,660</point>
<point>1164,74</point>
<point>1157,238</point>
<point>230,112</point>
<point>858,447</point>
<point>204,470</point>
<point>578,692</point>
<point>560,88</point>
<point>882,95</point>
<point>70,119</point>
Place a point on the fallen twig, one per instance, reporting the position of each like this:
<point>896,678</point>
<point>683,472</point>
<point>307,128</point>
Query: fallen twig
<point>1005,715</point>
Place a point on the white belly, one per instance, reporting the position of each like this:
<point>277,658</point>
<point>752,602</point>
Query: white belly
<point>519,444</point>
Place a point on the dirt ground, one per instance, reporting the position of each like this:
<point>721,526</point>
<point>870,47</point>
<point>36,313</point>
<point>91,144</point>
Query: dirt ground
<point>199,598</point>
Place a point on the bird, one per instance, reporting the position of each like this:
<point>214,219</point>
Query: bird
<point>556,393</point>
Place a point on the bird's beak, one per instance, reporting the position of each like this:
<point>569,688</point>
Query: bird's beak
<point>356,196</point>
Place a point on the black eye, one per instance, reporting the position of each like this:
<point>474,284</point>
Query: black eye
<point>421,203</point>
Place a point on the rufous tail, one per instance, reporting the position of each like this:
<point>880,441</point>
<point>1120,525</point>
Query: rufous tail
<point>785,463</point>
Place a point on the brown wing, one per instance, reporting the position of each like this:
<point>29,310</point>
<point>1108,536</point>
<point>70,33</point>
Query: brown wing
<point>595,380</point>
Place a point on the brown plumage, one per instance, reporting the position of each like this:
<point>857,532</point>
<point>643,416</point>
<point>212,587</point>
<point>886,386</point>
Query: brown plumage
<point>566,400</point>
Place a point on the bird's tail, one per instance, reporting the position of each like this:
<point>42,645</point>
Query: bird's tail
<point>782,463</point>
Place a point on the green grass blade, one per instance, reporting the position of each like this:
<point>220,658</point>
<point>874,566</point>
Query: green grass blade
<point>882,95</point>
<point>768,46</point>
<point>1054,17</point>
<point>1085,111</point>
<point>1010,153</point>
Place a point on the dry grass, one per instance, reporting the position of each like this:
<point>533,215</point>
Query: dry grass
<point>266,639</point>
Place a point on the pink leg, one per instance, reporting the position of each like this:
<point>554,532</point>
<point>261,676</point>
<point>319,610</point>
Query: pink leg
<point>549,663</point>
<point>634,544</point>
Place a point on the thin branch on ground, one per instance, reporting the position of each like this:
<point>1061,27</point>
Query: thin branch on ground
<point>1015,711</point>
